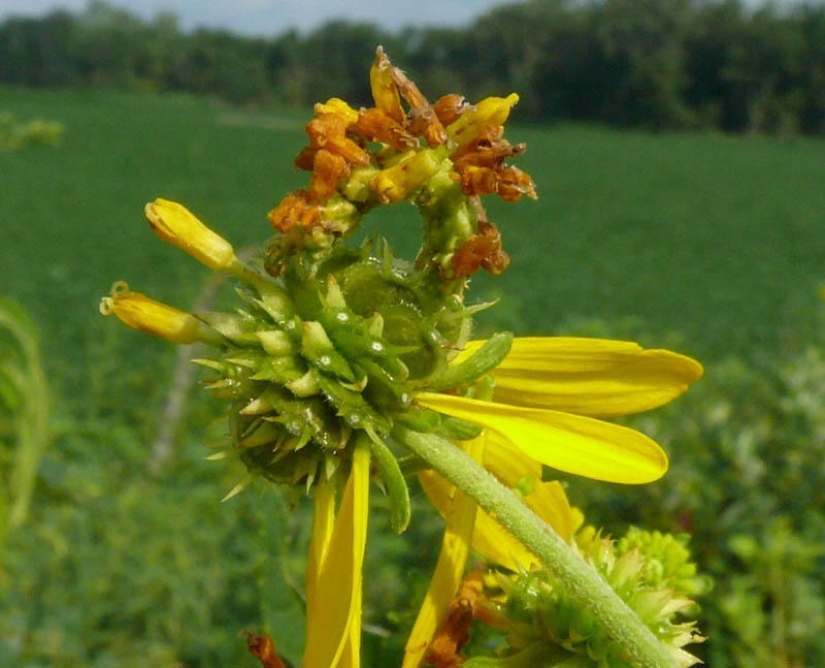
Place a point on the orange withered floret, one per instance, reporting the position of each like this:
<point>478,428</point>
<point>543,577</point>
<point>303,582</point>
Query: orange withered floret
<point>445,649</point>
<point>295,210</point>
<point>376,125</point>
<point>481,250</point>
<point>327,169</point>
<point>262,647</point>
<point>449,107</point>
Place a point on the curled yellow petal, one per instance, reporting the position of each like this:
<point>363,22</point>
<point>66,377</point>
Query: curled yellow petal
<point>571,443</point>
<point>175,224</point>
<point>153,317</point>
<point>384,89</point>
<point>334,568</point>
<point>595,377</point>
<point>490,111</point>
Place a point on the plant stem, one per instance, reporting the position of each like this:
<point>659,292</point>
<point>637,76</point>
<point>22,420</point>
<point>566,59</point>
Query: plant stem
<point>583,583</point>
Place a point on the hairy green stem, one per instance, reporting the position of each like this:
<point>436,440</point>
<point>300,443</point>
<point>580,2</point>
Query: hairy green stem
<point>582,581</point>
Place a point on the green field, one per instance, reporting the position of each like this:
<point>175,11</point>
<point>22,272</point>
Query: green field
<point>713,245</point>
<point>717,239</point>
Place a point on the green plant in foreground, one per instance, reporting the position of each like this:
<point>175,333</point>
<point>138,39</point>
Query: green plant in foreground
<point>345,365</point>
<point>24,413</point>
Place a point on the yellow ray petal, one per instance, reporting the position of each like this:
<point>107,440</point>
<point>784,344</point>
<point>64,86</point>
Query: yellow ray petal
<point>322,526</point>
<point>332,639</point>
<point>507,463</point>
<point>490,539</point>
<point>147,315</point>
<point>572,443</point>
<point>460,512</point>
<point>596,377</point>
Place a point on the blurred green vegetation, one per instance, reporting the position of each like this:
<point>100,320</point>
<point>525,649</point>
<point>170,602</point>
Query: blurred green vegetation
<point>16,135</point>
<point>724,64</point>
<point>711,245</point>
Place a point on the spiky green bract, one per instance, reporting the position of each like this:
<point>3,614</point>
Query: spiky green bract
<point>650,571</point>
<point>322,354</point>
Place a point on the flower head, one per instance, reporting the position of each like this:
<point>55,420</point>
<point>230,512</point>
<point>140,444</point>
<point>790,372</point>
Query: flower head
<point>337,354</point>
<point>650,571</point>
<point>442,157</point>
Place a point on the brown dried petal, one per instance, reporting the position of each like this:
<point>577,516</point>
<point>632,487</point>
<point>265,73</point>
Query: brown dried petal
<point>488,148</point>
<point>376,125</point>
<point>294,210</point>
<point>329,131</point>
<point>514,183</point>
<point>306,158</point>
<point>328,168</point>
<point>449,107</point>
<point>423,120</point>
<point>480,250</point>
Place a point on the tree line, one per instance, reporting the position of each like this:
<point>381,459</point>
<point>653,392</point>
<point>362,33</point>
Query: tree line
<point>664,64</point>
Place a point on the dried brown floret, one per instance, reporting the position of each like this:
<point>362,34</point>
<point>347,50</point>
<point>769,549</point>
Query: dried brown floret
<point>294,210</point>
<point>376,125</point>
<point>449,107</point>
<point>329,131</point>
<point>423,121</point>
<point>328,168</point>
<point>445,649</point>
<point>480,250</point>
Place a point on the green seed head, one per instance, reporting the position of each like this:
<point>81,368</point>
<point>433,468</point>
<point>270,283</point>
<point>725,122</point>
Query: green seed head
<point>314,359</point>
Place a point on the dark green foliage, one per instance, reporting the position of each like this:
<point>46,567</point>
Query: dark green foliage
<point>661,64</point>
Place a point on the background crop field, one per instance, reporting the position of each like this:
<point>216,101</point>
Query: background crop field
<point>709,244</point>
<point>718,239</point>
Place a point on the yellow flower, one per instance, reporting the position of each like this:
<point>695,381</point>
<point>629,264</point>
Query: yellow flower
<point>153,317</point>
<point>175,224</point>
<point>548,394</point>
<point>550,391</point>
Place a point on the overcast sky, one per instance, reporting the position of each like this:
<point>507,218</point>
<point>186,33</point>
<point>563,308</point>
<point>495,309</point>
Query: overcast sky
<point>272,17</point>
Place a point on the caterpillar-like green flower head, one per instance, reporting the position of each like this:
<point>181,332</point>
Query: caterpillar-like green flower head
<point>312,362</point>
<point>652,572</point>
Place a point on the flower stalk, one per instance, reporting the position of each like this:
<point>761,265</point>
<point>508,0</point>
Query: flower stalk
<point>583,583</point>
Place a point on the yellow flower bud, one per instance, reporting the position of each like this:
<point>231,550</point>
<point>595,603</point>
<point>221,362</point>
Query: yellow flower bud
<point>490,111</point>
<point>147,315</point>
<point>175,224</point>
